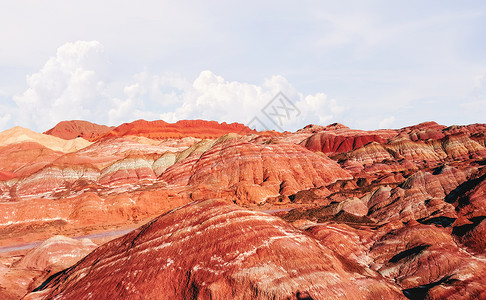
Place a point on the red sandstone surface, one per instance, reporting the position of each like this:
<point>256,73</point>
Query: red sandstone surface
<point>69,130</point>
<point>162,130</point>
<point>215,250</point>
<point>22,273</point>
<point>358,214</point>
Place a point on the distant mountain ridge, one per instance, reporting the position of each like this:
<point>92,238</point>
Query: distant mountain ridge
<point>69,130</point>
<point>151,129</point>
<point>397,212</point>
<point>19,134</point>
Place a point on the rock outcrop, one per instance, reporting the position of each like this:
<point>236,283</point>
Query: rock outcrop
<point>56,254</point>
<point>163,130</point>
<point>69,130</point>
<point>426,262</point>
<point>253,172</point>
<point>22,275</point>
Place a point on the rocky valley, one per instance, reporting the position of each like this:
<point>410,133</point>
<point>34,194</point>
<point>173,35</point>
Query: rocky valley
<point>206,210</point>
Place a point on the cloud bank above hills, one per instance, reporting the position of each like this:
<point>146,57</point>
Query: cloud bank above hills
<point>384,64</point>
<point>73,85</point>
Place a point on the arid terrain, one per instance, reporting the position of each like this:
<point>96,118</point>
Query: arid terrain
<point>206,210</point>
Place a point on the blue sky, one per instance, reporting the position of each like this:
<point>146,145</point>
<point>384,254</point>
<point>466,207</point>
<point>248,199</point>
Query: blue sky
<point>366,64</point>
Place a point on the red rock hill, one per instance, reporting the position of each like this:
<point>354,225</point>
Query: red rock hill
<point>376,210</point>
<point>162,130</point>
<point>216,250</point>
<point>69,130</point>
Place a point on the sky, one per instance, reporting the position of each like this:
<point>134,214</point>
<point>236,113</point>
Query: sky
<point>269,64</point>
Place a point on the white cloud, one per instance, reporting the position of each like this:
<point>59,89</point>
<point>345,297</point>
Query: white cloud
<point>68,86</point>
<point>386,122</point>
<point>72,85</point>
<point>212,97</point>
<point>378,58</point>
<point>319,109</point>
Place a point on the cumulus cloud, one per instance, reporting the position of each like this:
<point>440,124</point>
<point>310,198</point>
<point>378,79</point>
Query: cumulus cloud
<point>212,97</point>
<point>69,86</point>
<point>171,97</point>
<point>73,85</point>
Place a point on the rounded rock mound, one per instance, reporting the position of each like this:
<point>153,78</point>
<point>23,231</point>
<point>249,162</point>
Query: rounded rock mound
<point>213,249</point>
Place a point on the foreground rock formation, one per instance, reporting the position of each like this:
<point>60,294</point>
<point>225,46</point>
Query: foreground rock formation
<point>216,250</point>
<point>19,276</point>
<point>399,213</point>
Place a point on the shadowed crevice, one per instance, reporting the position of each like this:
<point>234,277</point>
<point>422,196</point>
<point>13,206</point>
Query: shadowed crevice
<point>462,230</point>
<point>442,221</point>
<point>409,252</point>
<point>420,292</point>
